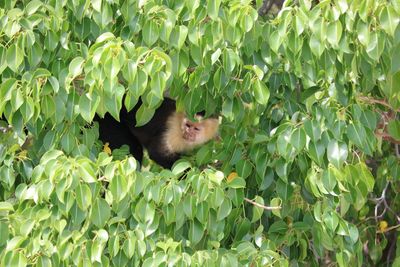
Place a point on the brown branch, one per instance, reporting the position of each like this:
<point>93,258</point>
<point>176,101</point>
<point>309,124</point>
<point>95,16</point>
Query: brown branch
<point>206,19</point>
<point>377,101</point>
<point>261,206</point>
<point>389,229</point>
<point>237,79</point>
<point>387,137</point>
<point>190,70</point>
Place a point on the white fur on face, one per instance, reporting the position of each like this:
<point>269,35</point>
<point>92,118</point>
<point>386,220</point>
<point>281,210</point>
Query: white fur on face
<point>176,125</point>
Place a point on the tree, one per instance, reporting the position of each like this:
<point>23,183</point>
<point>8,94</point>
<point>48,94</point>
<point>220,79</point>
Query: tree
<point>307,169</point>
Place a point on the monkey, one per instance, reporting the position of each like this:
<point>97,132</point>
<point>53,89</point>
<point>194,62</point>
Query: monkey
<point>267,5</point>
<point>166,136</point>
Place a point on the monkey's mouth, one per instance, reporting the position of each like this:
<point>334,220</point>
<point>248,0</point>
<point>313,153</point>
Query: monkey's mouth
<point>189,138</point>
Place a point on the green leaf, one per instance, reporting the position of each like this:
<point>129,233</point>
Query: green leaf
<point>275,41</point>
<point>180,167</point>
<point>299,25</point>
<point>246,249</point>
<point>394,60</point>
<point>227,109</point>
<point>242,229</point>
<point>130,71</point>
<point>3,58</point>
<point>118,187</point>
<point>15,57</point>
<point>14,243</point>
<point>86,171</point>
<point>113,104</point>
<point>196,232</point>
<point>356,134</point>
<point>213,9</point>
<point>337,153</point>
<point>316,151</point>
<point>83,196</point>
<point>107,36</point>
<point>150,32</point>
<point>283,189</point>
<point>51,40</point>
<point>178,36</point>
<point>100,213</point>
<point>316,45</point>
<point>331,220</point>
<point>88,105</point>
<point>363,32</point>
<point>279,227</point>
<point>158,83</point>
<point>129,246</point>
<point>203,155</point>
<point>246,22</point>
<point>394,129</point>
<point>261,92</point>
<point>17,259</point>
<point>343,5</point>
<point>367,176</point>
<point>17,99</point>
<point>389,19</point>
<point>26,227</point>
<point>166,28</point>
<point>376,46</point>
<point>298,139</point>
<point>27,109</point>
<point>96,251</point>
<point>68,142</point>
<point>32,7</point>
<point>144,211</point>
<point>6,206</point>
<point>4,232</point>
<point>244,168</point>
<point>276,202</point>
<point>6,89</point>
<point>334,33</point>
<point>257,211</point>
<point>329,180</point>
<point>48,106</point>
<point>139,85</point>
<point>76,66</point>
<point>313,129</point>
<point>224,209</point>
<point>215,56</point>
<point>189,207</point>
<point>237,183</point>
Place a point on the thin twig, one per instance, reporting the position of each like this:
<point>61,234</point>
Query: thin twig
<point>102,178</point>
<point>237,79</point>
<point>261,206</point>
<point>377,101</point>
<point>389,229</point>
<point>379,201</point>
<point>387,137</point>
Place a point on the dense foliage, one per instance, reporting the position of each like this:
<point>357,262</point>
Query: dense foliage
<point>307,168</point>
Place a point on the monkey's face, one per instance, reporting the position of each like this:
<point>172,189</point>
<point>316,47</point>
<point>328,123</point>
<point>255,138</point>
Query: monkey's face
<point>191,130</point>
<point>196,133</point>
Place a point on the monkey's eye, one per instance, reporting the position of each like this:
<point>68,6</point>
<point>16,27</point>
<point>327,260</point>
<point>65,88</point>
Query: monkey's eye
<point>196,129</point>
<point>187,125</point>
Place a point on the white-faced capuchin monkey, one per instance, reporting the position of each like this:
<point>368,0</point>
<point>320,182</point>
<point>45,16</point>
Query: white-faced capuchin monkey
<point>166,136</point>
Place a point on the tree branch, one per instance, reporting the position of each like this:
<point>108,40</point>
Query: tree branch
<point>377,101</point>
<point>261,206</point>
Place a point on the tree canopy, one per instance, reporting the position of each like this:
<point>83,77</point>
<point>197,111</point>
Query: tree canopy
<point>307,167</point>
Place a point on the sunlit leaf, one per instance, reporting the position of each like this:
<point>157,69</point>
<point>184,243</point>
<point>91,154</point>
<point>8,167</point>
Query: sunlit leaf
<point>337,153</point>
